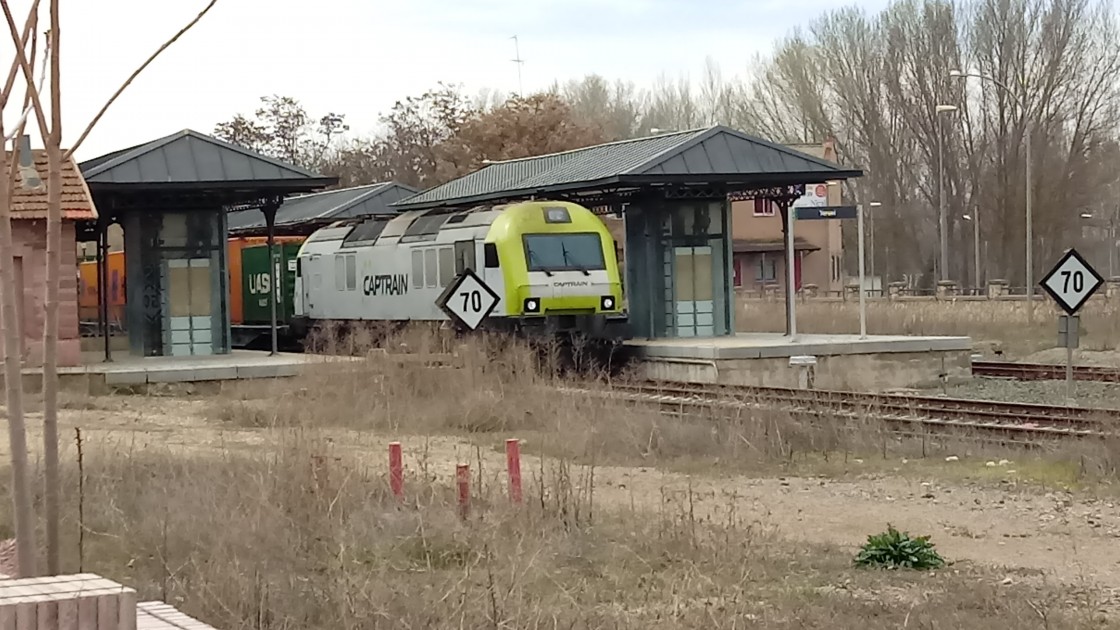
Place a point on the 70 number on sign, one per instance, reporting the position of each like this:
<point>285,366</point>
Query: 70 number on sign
<point>1078,277</point>
<point>472,300</point>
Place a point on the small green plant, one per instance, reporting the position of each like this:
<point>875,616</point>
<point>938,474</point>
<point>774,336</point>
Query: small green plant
<point>894,549</point>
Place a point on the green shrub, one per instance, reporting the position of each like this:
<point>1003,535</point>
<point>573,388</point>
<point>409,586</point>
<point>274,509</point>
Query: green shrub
<point>895,549</point>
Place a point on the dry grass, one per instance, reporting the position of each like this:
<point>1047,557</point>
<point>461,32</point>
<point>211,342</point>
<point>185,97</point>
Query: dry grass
<point>504,389</point>
<point>299,531</point>
<point>269,540</point>
<point>1000,322</point>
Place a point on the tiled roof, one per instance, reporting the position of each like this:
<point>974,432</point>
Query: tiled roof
<point>713,154</point>
<point>31,203</point>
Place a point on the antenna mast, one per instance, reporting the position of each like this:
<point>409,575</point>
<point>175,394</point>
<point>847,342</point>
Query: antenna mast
<point>519,61</point>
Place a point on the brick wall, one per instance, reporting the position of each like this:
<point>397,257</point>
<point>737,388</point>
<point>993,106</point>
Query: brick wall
<point>30,239</point>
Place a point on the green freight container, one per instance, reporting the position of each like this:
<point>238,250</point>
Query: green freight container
<point>256,286</point>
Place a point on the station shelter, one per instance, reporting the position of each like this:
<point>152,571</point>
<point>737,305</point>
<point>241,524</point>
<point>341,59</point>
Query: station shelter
<point>171,197</point>
<point>671,192</point>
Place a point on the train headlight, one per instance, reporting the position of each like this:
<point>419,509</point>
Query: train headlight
<point>606,303</point>
<point>532,305</point>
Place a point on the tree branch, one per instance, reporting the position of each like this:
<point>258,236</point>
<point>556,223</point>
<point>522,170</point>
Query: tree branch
<point>21,60</point>
<point>132,77</point>
<point>22,43</point>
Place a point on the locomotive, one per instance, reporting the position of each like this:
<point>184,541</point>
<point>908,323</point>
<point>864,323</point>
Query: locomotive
<point>552,264</point>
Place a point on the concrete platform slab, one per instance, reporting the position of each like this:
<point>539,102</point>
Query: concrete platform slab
<point>131,371</point>
<point>873,363</point>
<point>763,345</point>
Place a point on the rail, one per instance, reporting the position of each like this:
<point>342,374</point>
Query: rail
<point>1021,420</point>
<point>1044,371</point>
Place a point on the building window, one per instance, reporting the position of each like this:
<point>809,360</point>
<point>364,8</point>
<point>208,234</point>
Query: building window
<point>836,268</point>
<point>763,208</point>
<point>766,270</point>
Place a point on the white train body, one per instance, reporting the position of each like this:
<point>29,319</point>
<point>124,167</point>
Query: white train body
<point>395,268</point>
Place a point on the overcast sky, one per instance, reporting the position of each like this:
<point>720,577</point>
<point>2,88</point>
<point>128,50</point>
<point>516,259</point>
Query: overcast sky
<point>357,57</point>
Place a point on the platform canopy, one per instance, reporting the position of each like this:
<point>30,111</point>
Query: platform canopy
<point>715,158</point>
<point>303,214</point>
<point>172,196</point>
<point>192,168</point>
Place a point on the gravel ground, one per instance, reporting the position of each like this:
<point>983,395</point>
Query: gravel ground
<point>1086,393</point>
<point>1100,358</point>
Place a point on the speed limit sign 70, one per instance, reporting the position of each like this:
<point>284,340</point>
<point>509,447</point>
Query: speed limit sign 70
<point>468,300</point>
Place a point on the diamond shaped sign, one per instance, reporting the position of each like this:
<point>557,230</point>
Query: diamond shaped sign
<point>468,300</point>
<point>1071,282</point>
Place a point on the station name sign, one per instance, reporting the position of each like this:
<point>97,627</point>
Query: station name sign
<point>811,213</point>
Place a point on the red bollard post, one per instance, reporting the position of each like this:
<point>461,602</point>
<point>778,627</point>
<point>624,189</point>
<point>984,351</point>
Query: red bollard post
<point>513,467</point>
<point>396,470</point>
<point>463,478</point>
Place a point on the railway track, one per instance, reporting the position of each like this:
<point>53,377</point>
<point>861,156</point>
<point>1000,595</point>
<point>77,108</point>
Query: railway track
<point>1044,371</point>
<point>1011,421</point>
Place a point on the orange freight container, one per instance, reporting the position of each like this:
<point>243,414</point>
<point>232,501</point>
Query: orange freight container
<point>87,279</point>
<point>87,288</point>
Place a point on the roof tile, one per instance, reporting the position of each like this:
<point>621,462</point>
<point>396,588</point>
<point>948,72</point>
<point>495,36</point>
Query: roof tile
<point>31,203</point>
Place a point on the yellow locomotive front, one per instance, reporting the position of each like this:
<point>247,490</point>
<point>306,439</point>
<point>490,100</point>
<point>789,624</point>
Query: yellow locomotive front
<point>558,268</point>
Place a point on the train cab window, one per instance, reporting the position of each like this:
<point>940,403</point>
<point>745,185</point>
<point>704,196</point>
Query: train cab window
<point>564,252</point>
<point>446,265</point>
<point>417,269</point>
<point>490,254</point>
<point>464,256</point>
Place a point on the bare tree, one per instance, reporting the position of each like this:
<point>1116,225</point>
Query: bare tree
<point>10,321</point>
<point>874,83</point>
<point>52,138</point>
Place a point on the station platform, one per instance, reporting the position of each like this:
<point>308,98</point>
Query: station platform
<point>127,371</point>
<point>873,363</point>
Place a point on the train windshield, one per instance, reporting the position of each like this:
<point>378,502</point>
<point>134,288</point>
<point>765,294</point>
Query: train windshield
<point>564,252</point>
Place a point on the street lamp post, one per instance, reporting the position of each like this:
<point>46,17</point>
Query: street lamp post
<point>1029,238</point>
<point>871,240</point>
<point>942,221</point>
<point>975,219</point>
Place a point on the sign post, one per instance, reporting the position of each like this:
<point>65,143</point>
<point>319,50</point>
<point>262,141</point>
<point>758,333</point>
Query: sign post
<point>1069,329</point>
<point>821,213</point>
<point>1071,283</point>
<point>468,300</point>
<point>791,265</point>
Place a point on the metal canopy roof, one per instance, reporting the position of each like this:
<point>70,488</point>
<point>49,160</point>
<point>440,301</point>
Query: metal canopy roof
<point>189,160</point>
<point>715,155</point>
<point>326,206</point>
